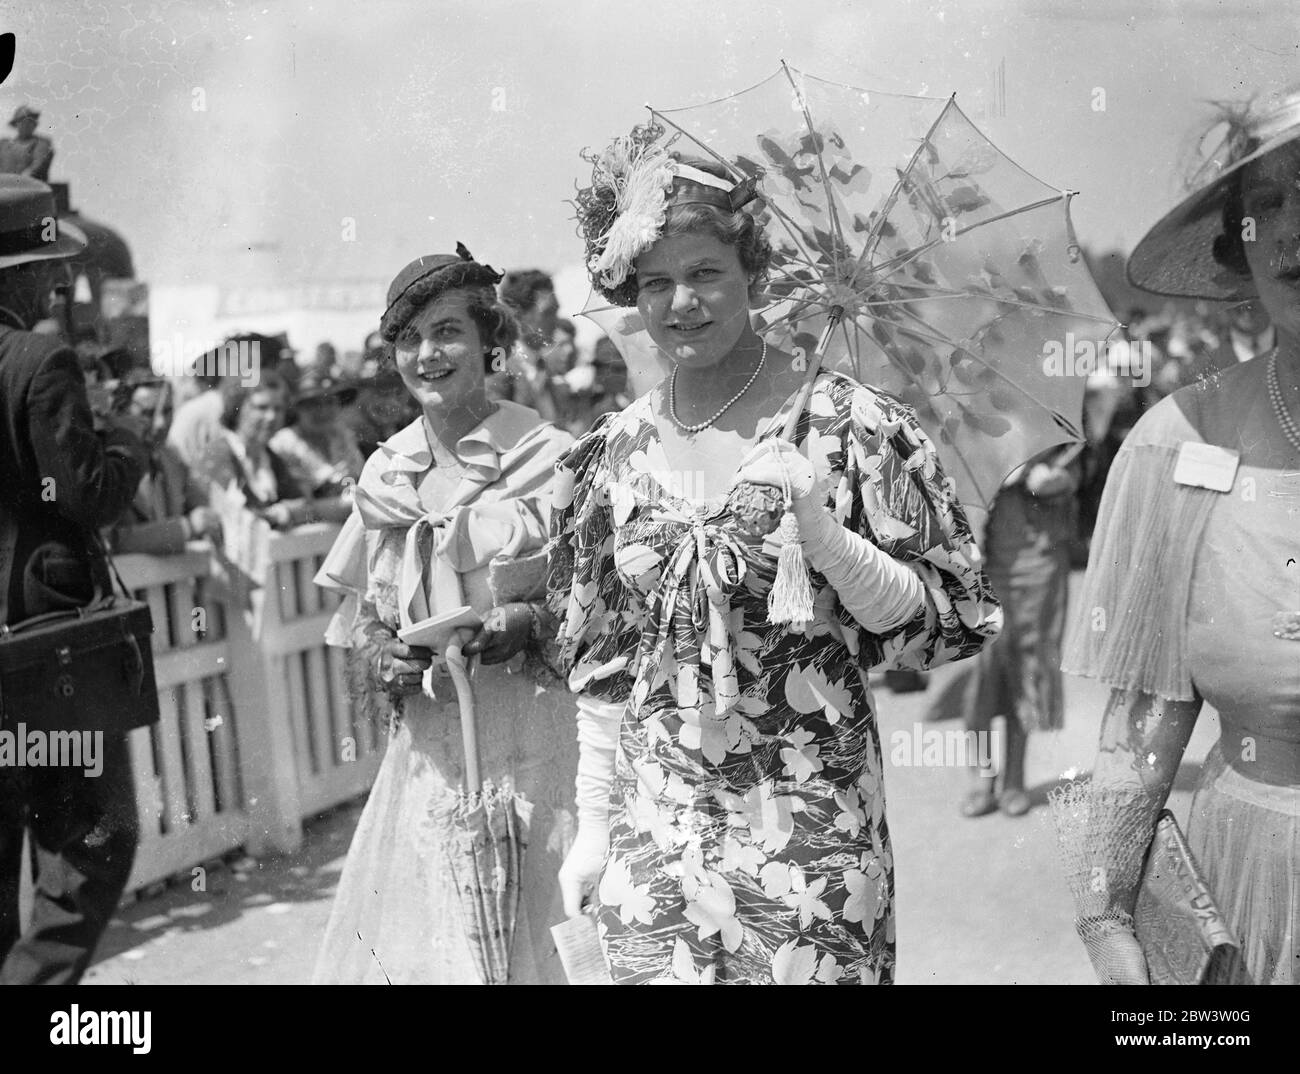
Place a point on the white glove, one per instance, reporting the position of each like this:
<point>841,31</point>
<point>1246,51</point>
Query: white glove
<point>877,590</point>
<point>776,462</point>
<point>598,725</point>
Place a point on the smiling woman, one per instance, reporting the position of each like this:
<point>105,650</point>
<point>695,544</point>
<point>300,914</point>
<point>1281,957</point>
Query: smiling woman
<point>472,476</point>
<point>1190,592</point>
<point>731,792</point>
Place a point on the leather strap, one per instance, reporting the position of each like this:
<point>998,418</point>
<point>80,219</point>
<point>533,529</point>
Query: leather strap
<point>8,539</point>
<point>98,542</point>
<point>8,548</point>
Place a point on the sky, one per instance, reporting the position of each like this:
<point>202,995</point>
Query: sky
<point>256,144</point>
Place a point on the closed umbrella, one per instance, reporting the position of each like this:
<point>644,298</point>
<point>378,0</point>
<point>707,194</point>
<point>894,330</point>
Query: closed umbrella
<point>485,833</point>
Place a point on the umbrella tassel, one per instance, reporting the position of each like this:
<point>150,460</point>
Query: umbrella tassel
<point>791,598</point>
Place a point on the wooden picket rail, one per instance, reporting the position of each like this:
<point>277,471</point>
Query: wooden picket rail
<point>257,731</point>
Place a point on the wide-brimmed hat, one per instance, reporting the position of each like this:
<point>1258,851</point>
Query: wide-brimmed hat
<point>427,277</point>
<point>30,230</point>
<point>320,384</point>
<point>1176,257</point>
<point>23,111</point>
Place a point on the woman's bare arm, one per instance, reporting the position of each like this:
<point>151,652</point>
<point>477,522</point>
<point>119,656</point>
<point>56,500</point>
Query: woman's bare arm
<point>1142,741</point>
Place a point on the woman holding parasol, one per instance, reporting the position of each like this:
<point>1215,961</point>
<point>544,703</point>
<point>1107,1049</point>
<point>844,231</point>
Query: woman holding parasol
<point>1191,593</point>
<point>466,485</point>
<point>730,791</point>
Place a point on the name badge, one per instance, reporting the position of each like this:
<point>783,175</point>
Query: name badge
<point>1206,466</point>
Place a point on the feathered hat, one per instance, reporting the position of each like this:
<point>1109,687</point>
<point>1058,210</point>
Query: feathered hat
<point>633,182</point>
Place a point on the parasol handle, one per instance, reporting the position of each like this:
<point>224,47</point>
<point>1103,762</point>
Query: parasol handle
<point>457,666</point>
<point>814,367</point>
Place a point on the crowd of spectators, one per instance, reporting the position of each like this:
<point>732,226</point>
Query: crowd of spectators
<point>1156,353</point>
<point>290,445</point>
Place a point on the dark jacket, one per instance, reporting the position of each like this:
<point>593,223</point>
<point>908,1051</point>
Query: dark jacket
<point>59,479</point>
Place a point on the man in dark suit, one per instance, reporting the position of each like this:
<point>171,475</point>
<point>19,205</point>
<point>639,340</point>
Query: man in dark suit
<point>59,482</point>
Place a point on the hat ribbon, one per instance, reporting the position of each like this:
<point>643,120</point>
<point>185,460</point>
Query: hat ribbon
<point>24,239</point>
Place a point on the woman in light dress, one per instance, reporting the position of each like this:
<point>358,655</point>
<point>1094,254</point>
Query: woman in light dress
<point>1193,586</point>
<point>477,472</point>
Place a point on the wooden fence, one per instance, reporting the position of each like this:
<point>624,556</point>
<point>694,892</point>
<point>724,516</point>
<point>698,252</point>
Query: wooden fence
<point>257,730</point>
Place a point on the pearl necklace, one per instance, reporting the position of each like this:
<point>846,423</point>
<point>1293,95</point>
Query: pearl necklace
<point>700,426</point>
<point>1284,417</point>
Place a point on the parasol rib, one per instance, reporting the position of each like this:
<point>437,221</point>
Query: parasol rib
<point>873,236</point>
<point>837,229</point>
<point>934,412</point>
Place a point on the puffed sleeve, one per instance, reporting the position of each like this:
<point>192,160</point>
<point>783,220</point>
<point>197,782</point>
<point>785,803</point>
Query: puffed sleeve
<point>595,642</point>
<point>894,493</point>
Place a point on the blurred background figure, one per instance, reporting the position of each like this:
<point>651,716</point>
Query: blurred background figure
<point>562,354</point>
<point>597,388</point>
<point>28,153</point>
<point>171,504</point>
<point>530,295</point>
<point>284,360</point>
<point>1018,677</point>
<point>1112,404</point>
<point>241,456</point>
<point>558,361</point>
<point>326,360</point>
<point>198,421</point>
<point>382,405</point>
<point>98,376</point>
<point>320,450</point>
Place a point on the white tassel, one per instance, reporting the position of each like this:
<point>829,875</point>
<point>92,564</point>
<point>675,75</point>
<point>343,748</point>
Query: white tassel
<point>791,598</point>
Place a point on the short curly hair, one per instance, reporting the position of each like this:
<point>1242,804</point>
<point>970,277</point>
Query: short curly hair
<point>740,229</point>
<point>497,327</point>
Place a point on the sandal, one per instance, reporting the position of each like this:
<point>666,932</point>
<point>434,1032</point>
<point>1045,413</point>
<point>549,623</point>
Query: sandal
<point>1014,803</point>
<point>978,803</point>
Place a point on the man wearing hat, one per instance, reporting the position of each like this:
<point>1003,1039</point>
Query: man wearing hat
<point>59,481</point>
<point>29,154</point>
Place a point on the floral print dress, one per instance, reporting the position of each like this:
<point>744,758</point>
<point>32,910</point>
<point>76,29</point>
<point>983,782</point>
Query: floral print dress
<point>748,841</point>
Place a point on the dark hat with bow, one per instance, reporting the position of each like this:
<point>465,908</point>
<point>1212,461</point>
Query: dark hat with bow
<point>427,277</point>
